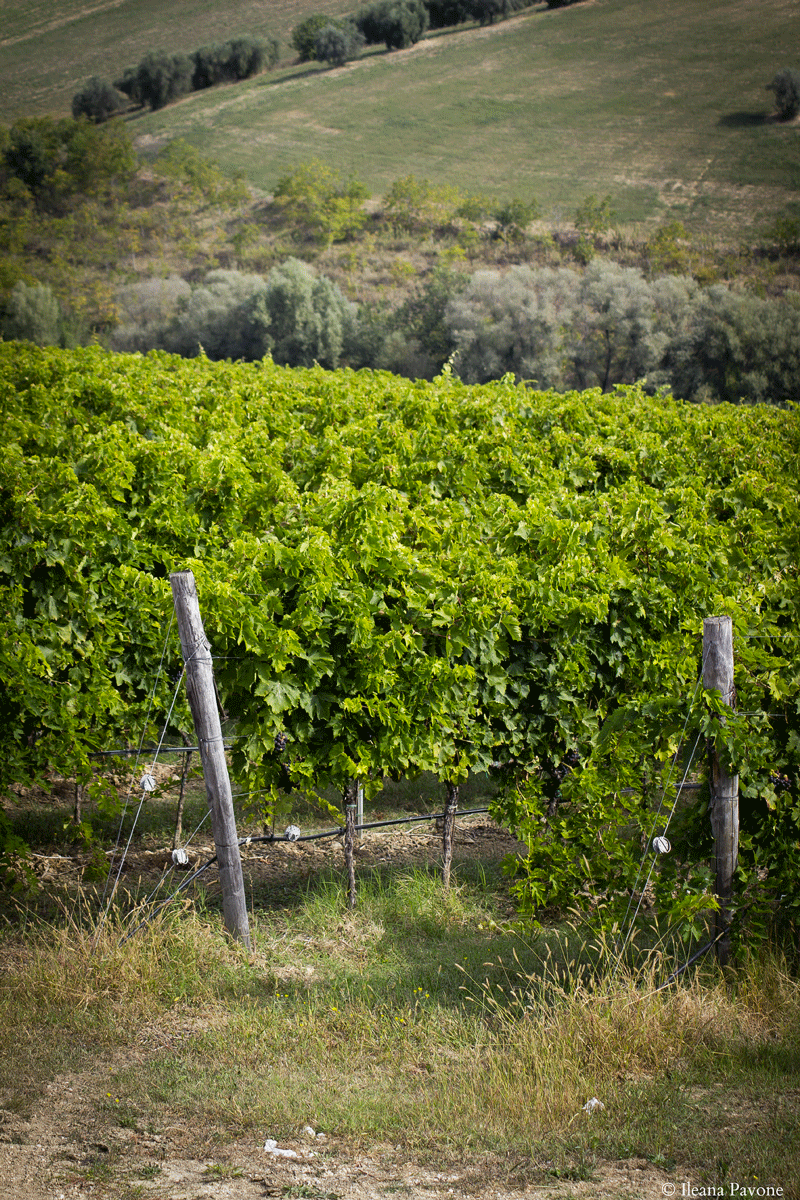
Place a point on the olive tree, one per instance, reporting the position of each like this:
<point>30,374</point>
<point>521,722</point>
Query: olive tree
<point>786,86</point>
<point>97,100</point>
<point>306,318</point>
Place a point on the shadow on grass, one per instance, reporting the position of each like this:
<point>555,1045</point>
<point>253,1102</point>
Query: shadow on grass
<point>741,120</point>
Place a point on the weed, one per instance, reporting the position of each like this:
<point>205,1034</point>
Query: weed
<point>149,1171</point>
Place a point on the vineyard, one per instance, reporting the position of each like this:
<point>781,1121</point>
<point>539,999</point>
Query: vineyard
<point>400,577</point>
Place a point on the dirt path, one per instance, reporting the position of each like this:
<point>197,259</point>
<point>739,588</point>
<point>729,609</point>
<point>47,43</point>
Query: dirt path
<point>67,1151</point>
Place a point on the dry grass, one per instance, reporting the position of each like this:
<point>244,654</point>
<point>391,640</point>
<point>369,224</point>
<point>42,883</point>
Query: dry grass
<point>428,1027</point>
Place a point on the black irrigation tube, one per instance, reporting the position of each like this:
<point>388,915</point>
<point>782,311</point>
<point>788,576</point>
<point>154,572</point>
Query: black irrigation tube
<point>308,837</point>
<point>146,750</point>
<point>313,837</point>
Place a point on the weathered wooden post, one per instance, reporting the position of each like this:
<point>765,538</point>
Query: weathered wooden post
<point>724,787</point>
<point>448,828</point>
<point>202,696</point>
<point>359,808</point>
<point>350,801</point>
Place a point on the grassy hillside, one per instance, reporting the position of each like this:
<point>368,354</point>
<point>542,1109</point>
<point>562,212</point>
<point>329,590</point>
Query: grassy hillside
<point>49,49</point>
<point>663,106</point>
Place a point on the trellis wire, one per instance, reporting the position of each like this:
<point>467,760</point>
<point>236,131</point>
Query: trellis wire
<point>648,843</point>
<point>139,751</point>
<point>267,838</point>
<point>141,802</point>
<point>188,842</point>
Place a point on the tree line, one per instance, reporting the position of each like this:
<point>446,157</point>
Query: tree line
<point>559,328</point>
<point>159,78</point>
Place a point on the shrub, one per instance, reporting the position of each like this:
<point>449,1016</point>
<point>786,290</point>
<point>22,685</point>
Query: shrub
<point>223,318</point>
<point>513,218</point>
<point>319,205</point>
<point>202,176</point>
<point>415,205</point>
<point>337,44</point>
<point>161,78</point>
<point>307,319</point>
<point>786,86</point>
<point>97,100</point>
<point>398,23</point>
<point>304,35</point>
<point>33,314</point>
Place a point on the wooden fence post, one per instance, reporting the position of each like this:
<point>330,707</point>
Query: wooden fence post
<point>202,695</point>
<point>350,801</point>
<point>448,829</point>
<point>724,787</point>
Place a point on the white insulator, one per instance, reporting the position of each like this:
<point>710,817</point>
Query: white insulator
<point>180,857</point>
<point>661,845</point>
<point>148,783</point>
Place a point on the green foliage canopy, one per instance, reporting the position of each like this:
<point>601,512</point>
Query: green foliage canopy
<point>399,576</point>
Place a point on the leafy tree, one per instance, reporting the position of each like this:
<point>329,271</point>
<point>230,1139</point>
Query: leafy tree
<point>98,100</point>
<point>514,323</point>
<point>615,335</point>
<point>128,84</point>
<point>304,35</point>
<point>786,86</point>
<point>33,151</point>
<point>405,23</point>
<point>247,56</point>
<point>564,329</point>
<point>210,67</point>
<point>513,218</point>
<point>55,159</point>
<point>398,23</point>
<point>222,318</point>
<point>239,58</point>
<point>319,205</point>
<point>485,11</point>
<point>337,44</point>
<point>423,315</point>
<point>33,314</point>
<point>98,159</point>
<point>443,13</point>
<point>162,78</point>
<point>145,310</point>
<point>740,349</point>
<point>305,315</point>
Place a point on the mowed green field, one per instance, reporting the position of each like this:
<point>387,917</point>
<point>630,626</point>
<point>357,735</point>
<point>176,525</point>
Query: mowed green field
<point>664,106</point>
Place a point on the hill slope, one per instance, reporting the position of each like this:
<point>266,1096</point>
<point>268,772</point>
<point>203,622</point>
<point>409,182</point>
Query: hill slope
<point>662,106</point>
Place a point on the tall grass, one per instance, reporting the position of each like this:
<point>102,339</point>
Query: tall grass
<point>423,1018</point>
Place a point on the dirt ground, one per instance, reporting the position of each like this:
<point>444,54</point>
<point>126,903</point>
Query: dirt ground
<point>64,1148</point>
